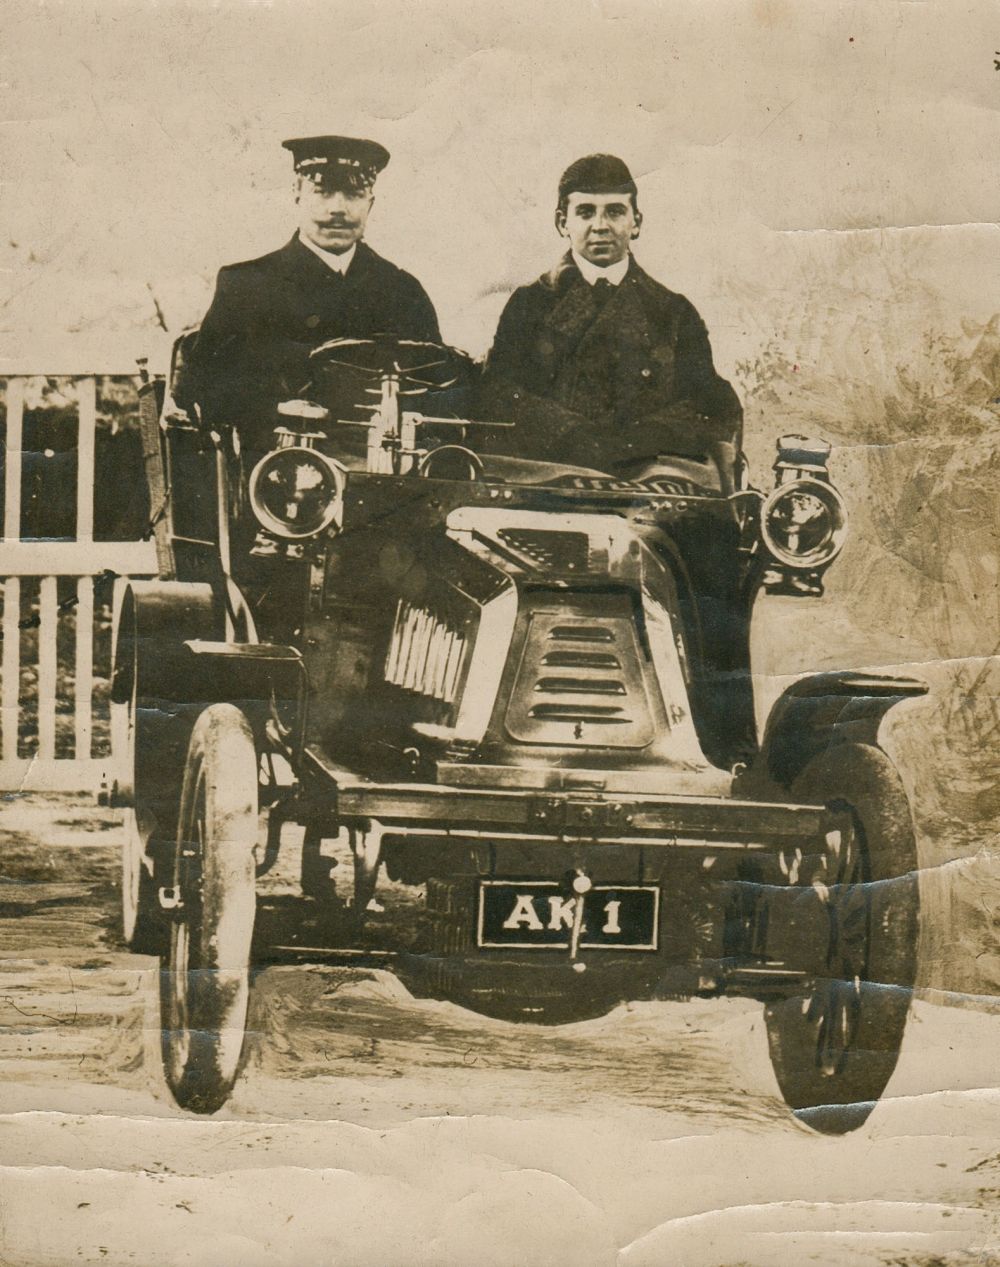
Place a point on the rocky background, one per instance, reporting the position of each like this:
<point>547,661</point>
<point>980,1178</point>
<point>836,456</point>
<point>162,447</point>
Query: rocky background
<point>917,455</point>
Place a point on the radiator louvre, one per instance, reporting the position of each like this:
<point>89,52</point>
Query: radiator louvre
<point>603,700</point>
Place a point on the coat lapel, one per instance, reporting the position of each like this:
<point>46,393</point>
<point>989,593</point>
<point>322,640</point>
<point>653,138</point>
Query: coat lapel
<point>621,316</point>
<point>574,310</point>
<point>357,292</point>
<point>319,303</point>
<point>597,351</point>
<point>300,267</point>
<point>577,318</point>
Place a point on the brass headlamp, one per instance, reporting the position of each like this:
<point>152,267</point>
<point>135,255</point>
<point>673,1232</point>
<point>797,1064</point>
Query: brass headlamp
<point>296,491</point>
<point>803,522</point>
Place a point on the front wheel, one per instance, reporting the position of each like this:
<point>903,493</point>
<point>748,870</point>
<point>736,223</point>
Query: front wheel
<point>205,974</point>
<point>835,1046</point>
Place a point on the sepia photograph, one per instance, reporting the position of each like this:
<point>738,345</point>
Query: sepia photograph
<point>500,574</point>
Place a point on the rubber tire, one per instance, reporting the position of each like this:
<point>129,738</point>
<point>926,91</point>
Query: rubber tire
<point>205,974</point>
<point>143,925</point>
<point>833,1103</point>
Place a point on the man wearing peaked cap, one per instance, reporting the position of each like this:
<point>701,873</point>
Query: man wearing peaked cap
<point>365,159</point>
<point>268,314</point>
<point>595,362</point>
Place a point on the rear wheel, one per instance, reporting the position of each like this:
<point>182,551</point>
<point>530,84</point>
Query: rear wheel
<point>205,976</point>
<point>143,923</point>
<point>835,1046</point>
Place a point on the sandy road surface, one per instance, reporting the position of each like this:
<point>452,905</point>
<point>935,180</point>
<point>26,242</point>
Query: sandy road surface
<point>647,1138</point>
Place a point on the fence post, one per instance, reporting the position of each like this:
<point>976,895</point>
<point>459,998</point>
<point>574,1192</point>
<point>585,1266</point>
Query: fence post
<point>48,633</point>
<point>11,668</point>
<point>12,465</point>
<point>86,445</point>
<point>86,450</point>
<point>84,686</point>
<point>11,687</point>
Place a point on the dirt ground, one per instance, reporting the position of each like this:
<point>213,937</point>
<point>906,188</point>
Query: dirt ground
<point>371,1127</point>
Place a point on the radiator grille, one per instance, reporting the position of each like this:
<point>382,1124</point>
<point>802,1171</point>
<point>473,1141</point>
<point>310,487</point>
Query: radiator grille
<point>425,654</point>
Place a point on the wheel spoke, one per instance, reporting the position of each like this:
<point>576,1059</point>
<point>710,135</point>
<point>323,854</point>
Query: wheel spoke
<point>350,365</point>
<point>834,1007</point>
<point>828,1054</point>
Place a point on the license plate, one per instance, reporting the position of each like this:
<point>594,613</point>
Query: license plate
<point>538,915</point>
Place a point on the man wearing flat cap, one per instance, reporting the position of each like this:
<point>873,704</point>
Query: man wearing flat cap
<point>268,314</point>
<point>596,363</point>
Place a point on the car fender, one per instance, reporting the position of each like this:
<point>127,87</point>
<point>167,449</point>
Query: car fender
<point>152,622</point>
<point>824,709</point>
<point>265,681</point>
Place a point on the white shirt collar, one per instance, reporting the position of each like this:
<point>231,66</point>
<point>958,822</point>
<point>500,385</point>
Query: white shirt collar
<point>614,273</point>
<point>336,263</point>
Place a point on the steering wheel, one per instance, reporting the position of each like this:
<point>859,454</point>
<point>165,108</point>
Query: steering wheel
<point>419,366</point>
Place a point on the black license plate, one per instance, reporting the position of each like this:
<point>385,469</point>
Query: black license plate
<point>538,915</point>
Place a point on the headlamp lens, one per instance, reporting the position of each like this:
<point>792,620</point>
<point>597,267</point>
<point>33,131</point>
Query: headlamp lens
<point>804,523</point>
<point>295,493</point>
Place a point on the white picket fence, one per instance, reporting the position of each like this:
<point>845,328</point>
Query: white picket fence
<point>39,768</point>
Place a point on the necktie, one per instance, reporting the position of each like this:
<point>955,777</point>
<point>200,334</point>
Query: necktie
<point>602,289</point>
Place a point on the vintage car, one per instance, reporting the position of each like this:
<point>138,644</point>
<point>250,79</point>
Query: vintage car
<point>523,689</point>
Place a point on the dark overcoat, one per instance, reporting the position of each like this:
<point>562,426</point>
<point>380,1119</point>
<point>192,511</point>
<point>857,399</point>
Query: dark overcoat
<point>604,383</point>
<point>268,314</point>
